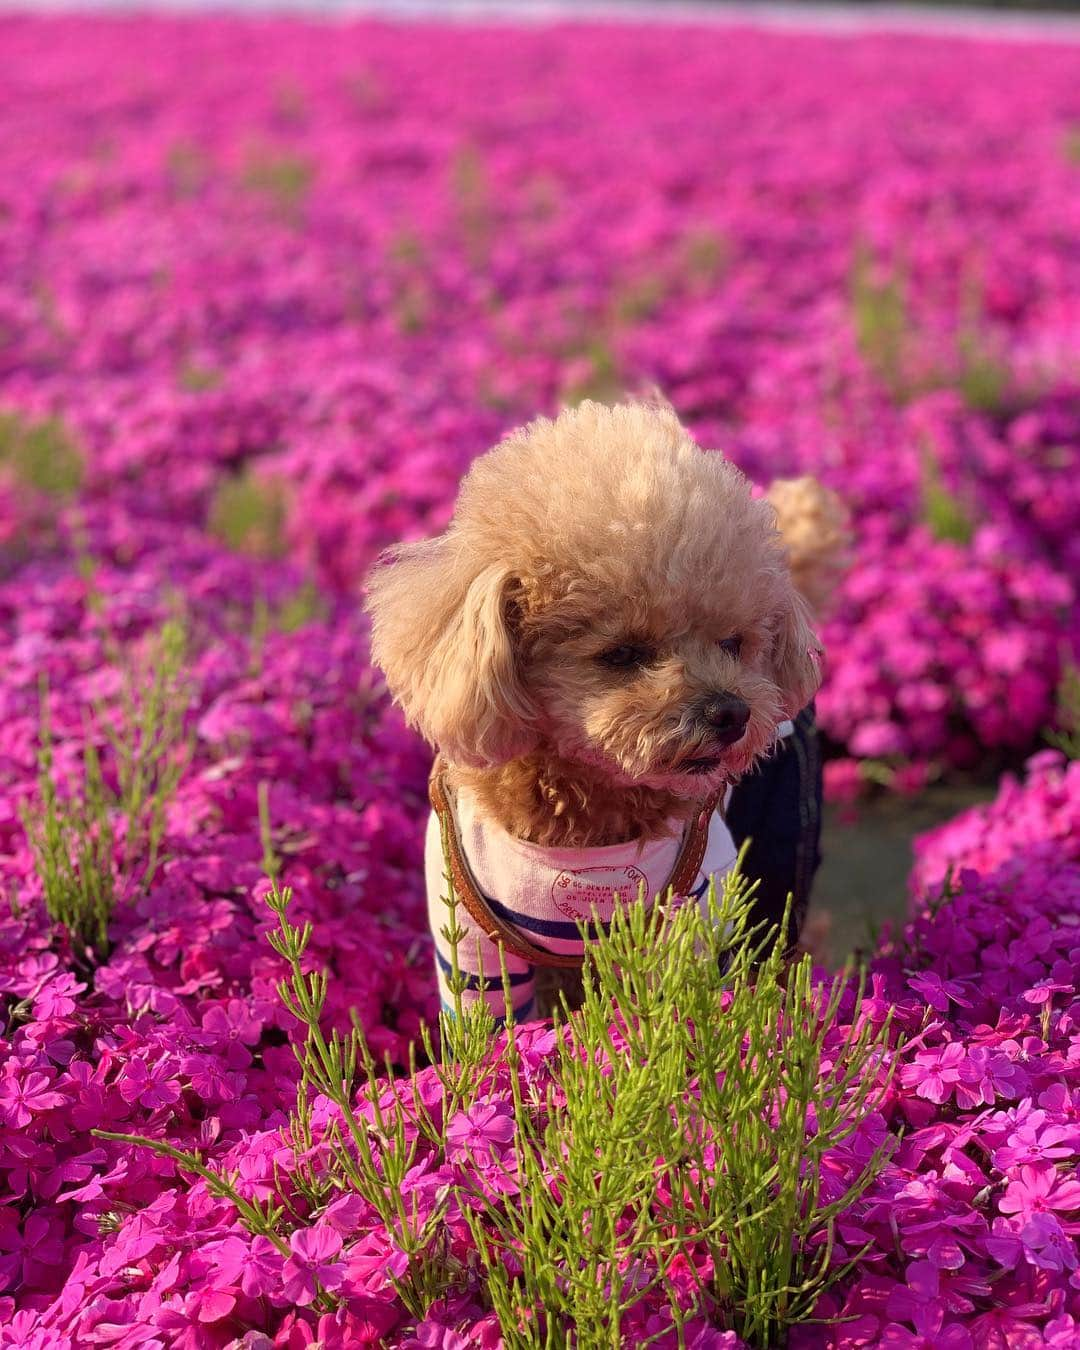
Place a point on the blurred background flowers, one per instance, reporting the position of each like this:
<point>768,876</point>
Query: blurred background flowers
<point>273,282</point>
<point>267,284</point>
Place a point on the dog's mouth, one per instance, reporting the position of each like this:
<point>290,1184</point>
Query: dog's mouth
<point>701,764</point>
<point>711,756</point>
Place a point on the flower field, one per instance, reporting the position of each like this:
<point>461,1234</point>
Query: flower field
<point>265,288</point>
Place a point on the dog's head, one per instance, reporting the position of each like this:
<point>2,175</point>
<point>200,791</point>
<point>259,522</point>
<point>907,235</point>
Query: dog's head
<point>607,592</point>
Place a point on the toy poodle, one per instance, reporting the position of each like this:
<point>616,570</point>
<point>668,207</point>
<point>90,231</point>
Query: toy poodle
<point>611,633</point>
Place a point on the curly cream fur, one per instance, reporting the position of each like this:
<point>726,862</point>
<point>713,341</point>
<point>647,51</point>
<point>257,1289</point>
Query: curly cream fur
<point>815,527</point>
<point>604,526</point>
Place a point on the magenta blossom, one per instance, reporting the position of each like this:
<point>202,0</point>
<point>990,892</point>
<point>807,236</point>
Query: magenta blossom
<point>313,1264</point>
<point>482,1128</point>
<point>1040,1190</point>
<point>939,993</point>
<point>932,1332</point>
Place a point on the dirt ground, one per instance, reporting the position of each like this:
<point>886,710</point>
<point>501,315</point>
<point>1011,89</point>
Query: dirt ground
<point>863,878</point>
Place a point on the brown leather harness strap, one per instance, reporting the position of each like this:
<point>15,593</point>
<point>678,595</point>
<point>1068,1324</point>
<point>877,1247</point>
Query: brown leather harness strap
<point>691,855</point>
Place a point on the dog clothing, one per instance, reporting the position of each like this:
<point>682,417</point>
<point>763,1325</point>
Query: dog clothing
<point>777,807</point>
<point>538,895</point>
<point>542,893</point>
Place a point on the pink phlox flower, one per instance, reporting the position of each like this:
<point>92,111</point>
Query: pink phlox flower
<point>989,1076</point>
<point>345,1213</point>
<point>1034,1139</point>
<point>140,1236</point>
<point>223,1263</point>
<point>210,1079</point>
<point>261,1273</point>
<point>1017,961</point>
<point>430,1335</point>
<point>709,1338</point>
<point>1040,1190</point>
<point>536,1044</point>
<point>373,1261</point>
<point>1063,1333</point>
<point>151,1085</point>
<point>921,1287</point>
<point>43,1243</point>
<point>231,1027</point>
<point>938,992</point>
<point>928,1284</point>
<point>935,1073</point>
<point>931,1332</point>
<point>23,1096</point>
<point>1046,1245</point>
<point>38,1241</point>
<point>427,1183</point>
<point>945,1253</point>
<point>481,1129</point>
<point>58,997</point>
<point>1043,991</point>
<point>365,1321</point>
<point>32,974</point>
<point>89,1109</point>
<point>76,1167</point>
<point>941,1137</point>
<point>1026,1050</point>
<point>1041,1242</point>
<point>180,1316</point>
<point>97,1186</point>
<point>24,1332</point>
<point>1058,1098</point>
<point>313,1262</point>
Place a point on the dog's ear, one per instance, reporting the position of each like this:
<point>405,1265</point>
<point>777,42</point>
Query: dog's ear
<point>796,653</point>
<point>441,634</point>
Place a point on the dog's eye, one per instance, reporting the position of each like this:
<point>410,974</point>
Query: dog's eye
<point>731,645</point>
<point>626,656</point>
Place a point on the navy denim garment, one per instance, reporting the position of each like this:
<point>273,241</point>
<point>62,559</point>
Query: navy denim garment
<point>778,807</point>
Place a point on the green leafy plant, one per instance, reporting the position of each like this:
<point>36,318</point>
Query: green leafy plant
<point>283,177</point>
<point>408,269</point>
<point>944,513</point>
<point>41,455</point>
<point>187,168</point>
<point>706,255</point>
<point>697,1104</point>
<point>150,748</point>
<point>198,379</point>
<point>295,610</point>
<point>248,513</point>
<point>471,188</point>
<point>637,299</point>
<point>983,378</point>
<point>882,324</point>
<point>600,378</point>
<point>369,1157</point>
<point>1067,735</point>
<point>73,844</point>
<point>888,338</point>
<point>96,839</point>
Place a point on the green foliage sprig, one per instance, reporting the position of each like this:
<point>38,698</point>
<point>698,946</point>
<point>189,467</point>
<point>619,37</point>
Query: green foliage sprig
<point>97,838</point>
<point>1066,737</point>
<point>695,1106</point>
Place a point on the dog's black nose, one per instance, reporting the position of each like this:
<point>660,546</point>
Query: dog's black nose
<point>728,716</point>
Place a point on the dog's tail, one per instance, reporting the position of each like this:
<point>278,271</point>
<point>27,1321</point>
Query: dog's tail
<point>814,524</point>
